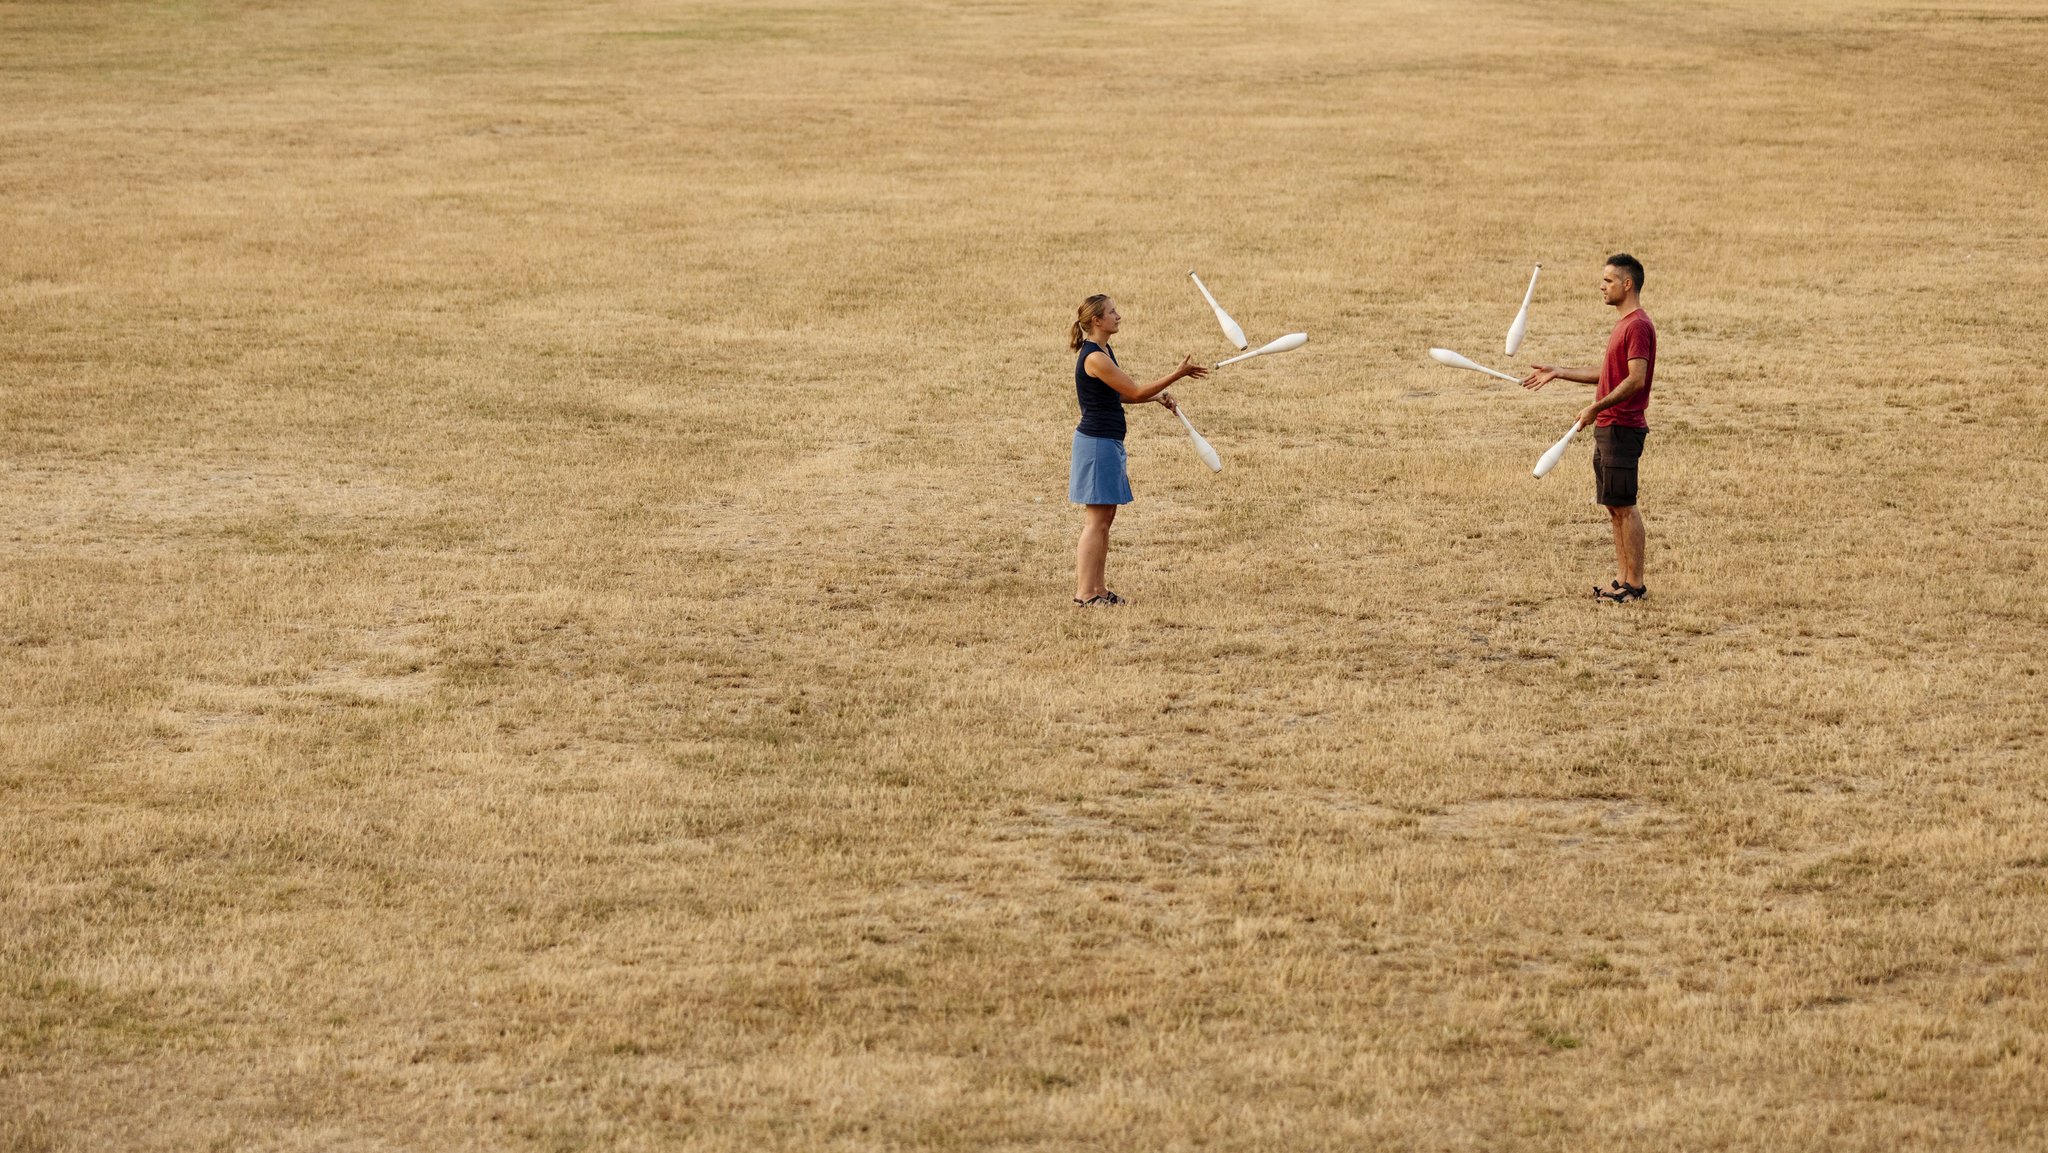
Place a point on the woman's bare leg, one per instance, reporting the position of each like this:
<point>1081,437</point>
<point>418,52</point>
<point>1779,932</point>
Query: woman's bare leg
<point>1091,556</point>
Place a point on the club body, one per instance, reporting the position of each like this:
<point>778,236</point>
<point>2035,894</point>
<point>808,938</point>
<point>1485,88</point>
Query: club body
<point>1230,329</point>
<point>1288,343</point>
<point>1520,327</point>
<point>1554,453</point>
<point>1202,448</point>
<point>1446,356</point>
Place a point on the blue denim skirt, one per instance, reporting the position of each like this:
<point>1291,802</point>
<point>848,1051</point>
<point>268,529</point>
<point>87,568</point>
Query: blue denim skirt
<point>1097,475</point>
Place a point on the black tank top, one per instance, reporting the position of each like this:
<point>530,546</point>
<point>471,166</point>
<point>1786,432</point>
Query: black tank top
<point>1102,410</point>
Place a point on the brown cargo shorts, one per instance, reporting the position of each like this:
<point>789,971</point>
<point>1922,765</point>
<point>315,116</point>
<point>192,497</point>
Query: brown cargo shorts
<point>1616,449</point>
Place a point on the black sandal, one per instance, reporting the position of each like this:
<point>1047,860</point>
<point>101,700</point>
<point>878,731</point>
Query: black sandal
<point>1619,593</point>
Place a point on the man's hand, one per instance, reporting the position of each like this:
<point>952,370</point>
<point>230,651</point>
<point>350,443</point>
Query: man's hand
<point>1586,418</point>
<point>1543,375</point>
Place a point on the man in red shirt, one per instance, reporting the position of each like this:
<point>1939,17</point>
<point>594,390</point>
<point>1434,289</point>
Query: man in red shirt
<point>1619,415</point>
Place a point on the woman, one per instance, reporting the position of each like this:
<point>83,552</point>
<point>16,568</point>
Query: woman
<point>1097,478</point>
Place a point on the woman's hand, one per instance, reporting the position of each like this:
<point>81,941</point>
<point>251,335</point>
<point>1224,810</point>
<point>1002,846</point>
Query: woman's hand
<point>1188,367</point>
<point>1166,398</point>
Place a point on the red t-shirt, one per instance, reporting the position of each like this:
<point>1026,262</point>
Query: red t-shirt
<point>1633,338</point>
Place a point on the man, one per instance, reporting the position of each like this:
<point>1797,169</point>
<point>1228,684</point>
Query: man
<point>1619,415</point>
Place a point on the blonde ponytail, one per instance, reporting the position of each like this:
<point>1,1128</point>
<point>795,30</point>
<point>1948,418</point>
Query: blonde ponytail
<point>1091,310</point>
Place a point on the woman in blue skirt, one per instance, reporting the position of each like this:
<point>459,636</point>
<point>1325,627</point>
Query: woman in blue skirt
<point>1097,478</point>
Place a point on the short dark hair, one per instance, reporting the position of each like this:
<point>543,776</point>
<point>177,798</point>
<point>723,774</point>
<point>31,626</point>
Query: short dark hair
<point>1630,265</point>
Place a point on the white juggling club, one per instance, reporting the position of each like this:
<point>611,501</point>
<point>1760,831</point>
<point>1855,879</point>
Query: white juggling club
<point>1202,448</point>
<point>1230,328</point>
<point>1446,356</point>
<point>1520,327</point>
<point>1554,453</point>
<point>1288,343</point>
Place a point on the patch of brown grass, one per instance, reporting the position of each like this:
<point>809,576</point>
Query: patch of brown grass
<point>533,574</point>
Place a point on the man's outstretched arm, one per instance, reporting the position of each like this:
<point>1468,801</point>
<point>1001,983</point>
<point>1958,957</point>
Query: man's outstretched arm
<point>1545,373</point>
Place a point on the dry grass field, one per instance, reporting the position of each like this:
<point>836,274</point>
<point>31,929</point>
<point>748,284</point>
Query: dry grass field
<point>534,579</point>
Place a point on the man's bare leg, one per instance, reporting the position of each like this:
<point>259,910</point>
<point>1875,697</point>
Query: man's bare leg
<point>1628,544</point>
